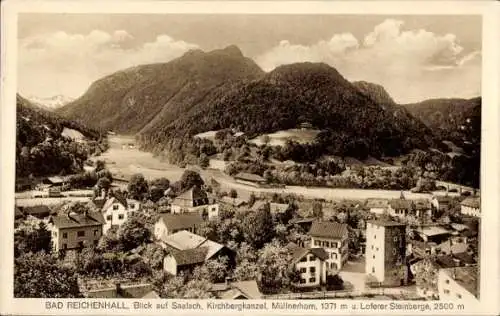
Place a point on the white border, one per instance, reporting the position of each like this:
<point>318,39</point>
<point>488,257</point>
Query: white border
<point>490,120</point>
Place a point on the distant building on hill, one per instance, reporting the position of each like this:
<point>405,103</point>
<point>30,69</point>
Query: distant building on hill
<point>250,179</point>
<point>333,238</point>
<point>195,200</point>
<point>73,231</point>
<point>386,252</point>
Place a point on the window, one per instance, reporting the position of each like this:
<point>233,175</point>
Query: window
<point>108,218</point>
<point>115,207</point>
<point>312,269</point>
<point>446,291</point>
<point>80,233</point>
<point>377,249</point>
<point>394,251</point>
<point>303,259</point>
<point>333,255</point>
<point>373,247</point>
<point>333,265</point>
<point>96,232</point>
<point>459,295</point>
<point>317,243</point>
<point>373,269</point>
<point>132,205</point>
<point>311,258</point>
<point>303,270</point>
<point>395,238</point>
<point>312,280</point>
<point>334,245</point>
<point>447,281</point>
<point>120,216</point>
<point>302,281</point>
<point>65,235</point>
<point>65,246</point>
<point>373,256</point>
<point>374,236</point>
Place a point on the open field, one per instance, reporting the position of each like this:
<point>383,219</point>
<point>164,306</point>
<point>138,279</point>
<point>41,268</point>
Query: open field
<point>23,202</point>
<point>125,162</point>
<point>279,138</point>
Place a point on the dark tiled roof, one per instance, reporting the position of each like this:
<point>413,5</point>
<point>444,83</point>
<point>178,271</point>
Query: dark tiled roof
<point>400,204</point>
<point>249,177</point>
<point>192,197</point>
<point>120,198</point>
<point>422,204</point>
<point>39,210</point>
<point>181,221</point>
<point>78,220</point>
<point>385,223</point>
<point>473,202</point>
<point>328,229</point>
<point>377,203</point>
<point>190,256</point>
<point>99,202</point>
<point>299,252</point>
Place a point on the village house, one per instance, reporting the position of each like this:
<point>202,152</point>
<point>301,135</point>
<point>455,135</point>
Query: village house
<point>250,179</point>
<point>235,202</point>
<point>312,266</point>
<point>187,250</point>
<point>399,207</point>
<point>237,290</point>
<point>377,206</point>
<point>458,283</point>
<point>386,253</point>
<point>169,224</point>
<point>195,200</point>
<point>471,207</point>
<point>333,238</point>
<point>432,233</point>
<point>73,231</point>
<point>117,209</point>
<point>304,223</point>
<point>441,202</point>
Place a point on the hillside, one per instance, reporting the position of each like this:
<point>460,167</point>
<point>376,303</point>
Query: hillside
<point>41,148</point>
<point>353,123</point>
<point>51,103</point>
<point>446,116</point>
<point>148,96</point>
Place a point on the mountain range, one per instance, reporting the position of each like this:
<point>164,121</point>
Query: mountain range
<point>51,103</point>
<point>201,91</point>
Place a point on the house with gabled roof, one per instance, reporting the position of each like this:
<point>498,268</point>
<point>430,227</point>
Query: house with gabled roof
<point>459,284</point>
<point>237,290</point>
<point>333,238</point>
<point>73,231</point>
<point>195,200</point>
<point>311,265</point>
<point>168,224</point>
<point>116,209</point>
<point>250,179</point>
<point>377,206</point>
<point>187,250</point>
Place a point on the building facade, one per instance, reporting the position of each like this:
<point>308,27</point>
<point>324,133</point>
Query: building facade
<point>333,238</point>
<point>458,284</point>
<point>311,265</point>
<point>195,200</point>
<point>386,252</point>
<point>73,231</point>
<point>116,211</point>
<point>471,207</point>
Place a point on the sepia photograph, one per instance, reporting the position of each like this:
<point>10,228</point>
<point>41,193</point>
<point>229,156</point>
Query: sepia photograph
<point>249,157</point>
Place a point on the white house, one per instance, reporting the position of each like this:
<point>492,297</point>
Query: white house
<point>195,200</point>
<point>169,224</point>
<point>471,206</point>
<point>458,284</point>
<point>117,209</point>
<point>333,238</point>
<point>186,250</point>
<point>312,266</point>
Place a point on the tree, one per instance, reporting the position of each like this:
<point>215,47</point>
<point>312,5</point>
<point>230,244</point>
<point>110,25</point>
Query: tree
<point>275,269</point>
<point>204,161</point>
<point>246,270</point>
<point>317,209</point>
<point>189,179</point>
<point>137,187</point>
<point>32,238</point>
<point>133,233</point>
<point>153,256</point>
<point>233,194</point>
<point>258,227</point>
<point>99,165</point>
<point>40,275</point>
<point>103,184</point>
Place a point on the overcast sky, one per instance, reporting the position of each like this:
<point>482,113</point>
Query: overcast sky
<point>413,57</point>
